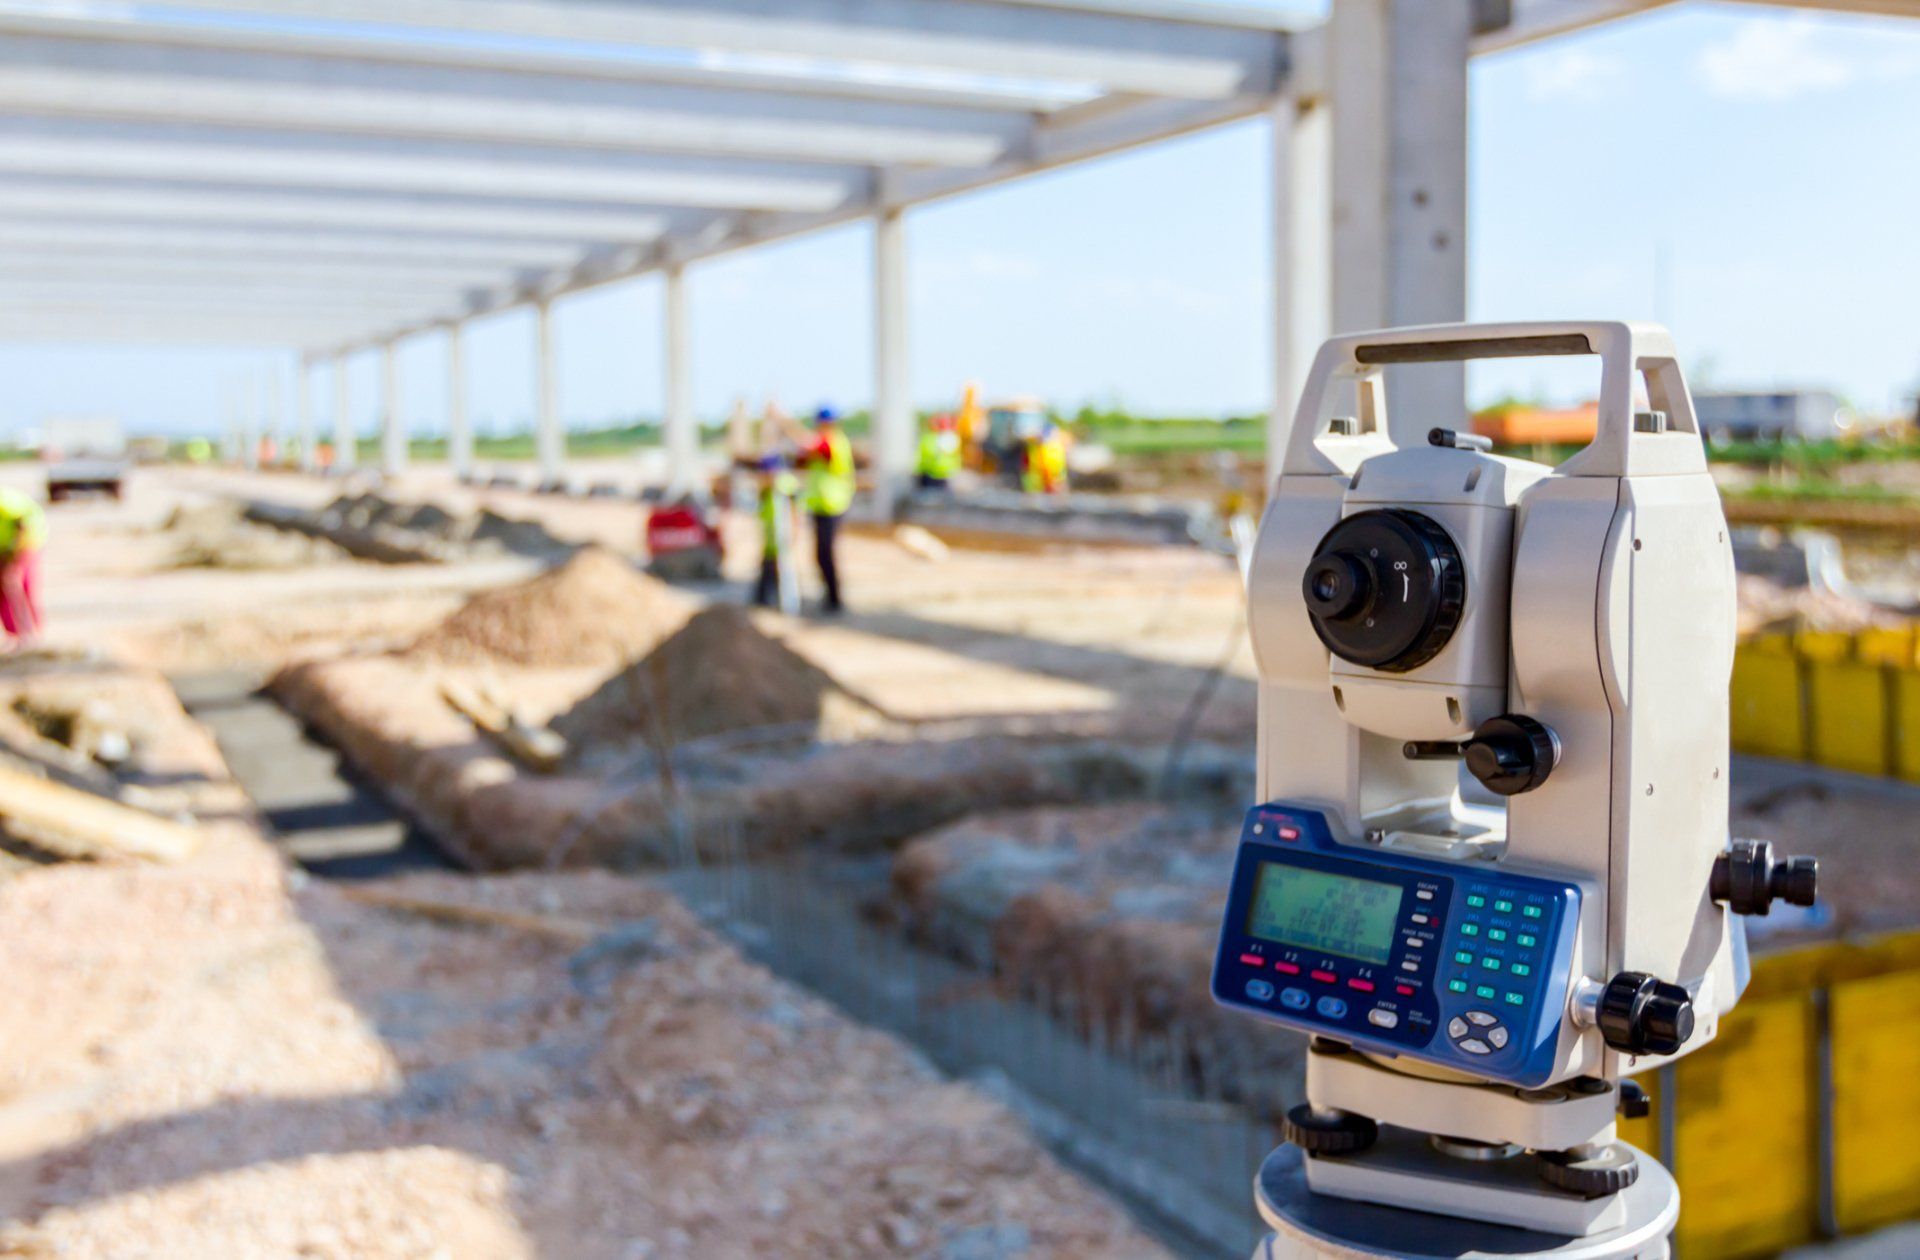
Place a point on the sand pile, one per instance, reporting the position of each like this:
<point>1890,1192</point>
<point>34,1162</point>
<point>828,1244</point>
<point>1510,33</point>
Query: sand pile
<point>719,672</point>
<point>596,609</point>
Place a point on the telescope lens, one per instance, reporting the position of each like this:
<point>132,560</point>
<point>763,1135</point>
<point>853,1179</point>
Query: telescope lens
<point>1385,589</point>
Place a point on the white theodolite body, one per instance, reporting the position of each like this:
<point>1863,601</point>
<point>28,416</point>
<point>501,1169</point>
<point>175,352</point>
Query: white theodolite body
<point>1478,675</point>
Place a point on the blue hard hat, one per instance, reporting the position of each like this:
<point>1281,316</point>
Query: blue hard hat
<point>825,415</point>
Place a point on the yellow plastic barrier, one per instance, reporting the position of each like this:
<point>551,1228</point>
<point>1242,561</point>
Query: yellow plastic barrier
<point>1906,724</point>
<point>1846,703</point>
<point>1768,716</point>
<point>1846,700</point>
<point>1798,1120</point>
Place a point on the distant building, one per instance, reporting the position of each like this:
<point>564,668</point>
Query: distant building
<point>1516,425</point>
<point>1805,414</point>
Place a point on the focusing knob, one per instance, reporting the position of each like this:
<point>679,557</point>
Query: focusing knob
<point>1385,589</point>
<point>1512,753</point>
<point>1749,879</point>
<point>1593,1172</point>
<point>1641,1015</point>
<point>1329,1131</point>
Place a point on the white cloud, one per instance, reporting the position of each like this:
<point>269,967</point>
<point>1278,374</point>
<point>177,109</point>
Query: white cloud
<point>1774,59</point>
<point>1577,74</point>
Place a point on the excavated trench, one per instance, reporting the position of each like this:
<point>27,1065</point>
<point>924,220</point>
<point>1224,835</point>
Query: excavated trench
<point>1145,1116</point>
<point>323,815</point>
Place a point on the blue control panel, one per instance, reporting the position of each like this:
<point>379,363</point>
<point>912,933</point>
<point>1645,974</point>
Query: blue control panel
<point>1447,962</point>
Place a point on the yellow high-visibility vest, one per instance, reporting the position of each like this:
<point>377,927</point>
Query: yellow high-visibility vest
<point>23,522</point>
<point>830,480</point>
<point>939,454</point>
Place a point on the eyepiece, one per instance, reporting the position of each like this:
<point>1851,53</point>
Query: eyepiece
<point>1339,585</point>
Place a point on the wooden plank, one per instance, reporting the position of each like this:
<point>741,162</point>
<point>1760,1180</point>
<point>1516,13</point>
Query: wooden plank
<point>68,820</point>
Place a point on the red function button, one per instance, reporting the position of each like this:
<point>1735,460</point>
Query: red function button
<point>1404,990</point>
<point>1289,833</point>
<point>1253,960</point>
<point>1287,968</point>
<point>1325,977</point>
<point>1365,986</point>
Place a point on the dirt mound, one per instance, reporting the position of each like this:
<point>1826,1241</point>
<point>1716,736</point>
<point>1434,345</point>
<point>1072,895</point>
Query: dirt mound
<point>218,536</point>
<point>596,609</point>
<point>719,672</point>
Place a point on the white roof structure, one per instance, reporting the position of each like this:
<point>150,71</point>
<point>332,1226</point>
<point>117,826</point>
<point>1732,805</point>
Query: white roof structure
<point>329,176</point>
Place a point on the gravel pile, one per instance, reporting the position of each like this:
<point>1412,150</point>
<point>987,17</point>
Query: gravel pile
<point>719,672</point>
<point>595,609</point>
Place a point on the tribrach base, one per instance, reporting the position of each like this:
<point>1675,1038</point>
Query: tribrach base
<point>1309,1226</point>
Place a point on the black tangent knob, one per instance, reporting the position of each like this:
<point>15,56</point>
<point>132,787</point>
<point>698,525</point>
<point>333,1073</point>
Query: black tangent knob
<point>1512,753</point>
<point>1749,879</point>
<point>1641,1015</point>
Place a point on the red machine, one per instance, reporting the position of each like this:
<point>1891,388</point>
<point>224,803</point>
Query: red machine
<point>683,542</point>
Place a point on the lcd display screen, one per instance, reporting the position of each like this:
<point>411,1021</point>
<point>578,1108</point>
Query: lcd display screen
<point>1336,914</point>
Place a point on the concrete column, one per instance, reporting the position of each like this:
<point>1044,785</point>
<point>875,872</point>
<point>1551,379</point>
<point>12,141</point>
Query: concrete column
<point>271,419</point>
<point>393,426</point>
<point>549,439</point>
<point>346,447</point>
<point>682,427</point>
<point>459,423</point>
<point>304,433</point>
<point>893,427</point>
<point>249,427</point>
<point>1398,75</point>
<point>1301,273</point>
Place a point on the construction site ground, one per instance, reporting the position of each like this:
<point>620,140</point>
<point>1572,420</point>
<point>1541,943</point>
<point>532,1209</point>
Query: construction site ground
<point>232,1057</point>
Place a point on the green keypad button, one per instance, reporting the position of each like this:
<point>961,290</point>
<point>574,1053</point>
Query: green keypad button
<point>1476,901</point>
<point>1528,940</point>
<point>1521,969</point>
<point>1504,907</point>
<point>1515,999</point>
<point>1463,958</point>
<point>1470,929</point>
<point>1491,964</point>
<point>1486,991</point>
<point>1532,912</point>
<point>1457,986</point>
<point>1496,934</point>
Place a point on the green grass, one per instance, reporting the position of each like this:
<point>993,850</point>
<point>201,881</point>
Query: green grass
<point>1823,491</point>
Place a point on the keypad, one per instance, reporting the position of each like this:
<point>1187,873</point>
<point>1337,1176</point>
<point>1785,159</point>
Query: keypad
<point>1495,941</point>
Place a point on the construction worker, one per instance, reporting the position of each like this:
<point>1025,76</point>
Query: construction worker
<point>776,488</point>
<point>23,529</point>
<point>1044,466</point>
<point>939,454</point>
<point>827,457</point>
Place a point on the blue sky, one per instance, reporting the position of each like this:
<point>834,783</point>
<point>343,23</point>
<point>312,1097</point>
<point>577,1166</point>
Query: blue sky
<point>1749,176</point>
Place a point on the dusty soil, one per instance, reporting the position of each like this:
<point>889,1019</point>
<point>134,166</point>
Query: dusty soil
<point>218,536</point>
<point>1766,605</point>
<point>218,1059</point>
